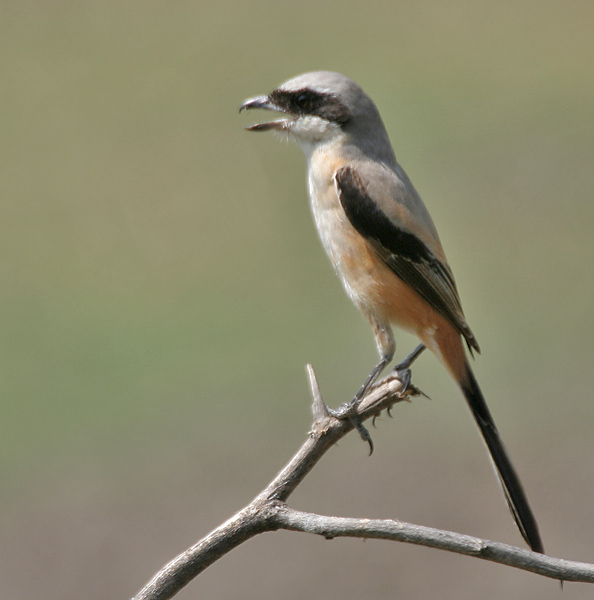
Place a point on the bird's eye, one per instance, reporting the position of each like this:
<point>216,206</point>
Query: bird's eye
<point>303,102</point>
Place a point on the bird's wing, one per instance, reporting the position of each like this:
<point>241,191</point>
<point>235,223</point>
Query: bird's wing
<point>401,250</point>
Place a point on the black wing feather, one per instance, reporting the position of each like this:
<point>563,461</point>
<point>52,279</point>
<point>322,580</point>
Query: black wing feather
<point>406,255</point>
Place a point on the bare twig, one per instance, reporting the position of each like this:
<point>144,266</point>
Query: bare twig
<point>397,531</point>
<point>268,511</point>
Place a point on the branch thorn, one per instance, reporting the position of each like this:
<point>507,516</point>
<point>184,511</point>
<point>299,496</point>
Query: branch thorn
<point>318,408</point>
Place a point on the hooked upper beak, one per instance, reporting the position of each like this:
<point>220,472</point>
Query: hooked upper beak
<point>265,103</point>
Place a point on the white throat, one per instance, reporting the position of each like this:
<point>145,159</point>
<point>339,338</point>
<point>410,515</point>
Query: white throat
<point>311,132</point>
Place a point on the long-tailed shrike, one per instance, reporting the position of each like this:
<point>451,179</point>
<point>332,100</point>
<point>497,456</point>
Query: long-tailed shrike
<point>383,244</point>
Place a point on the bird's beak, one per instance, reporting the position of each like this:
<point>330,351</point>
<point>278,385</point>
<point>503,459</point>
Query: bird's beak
<point>265,103</point>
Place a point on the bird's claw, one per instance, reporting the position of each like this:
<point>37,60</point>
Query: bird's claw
<point>349,411</point>
<point>363,432</point>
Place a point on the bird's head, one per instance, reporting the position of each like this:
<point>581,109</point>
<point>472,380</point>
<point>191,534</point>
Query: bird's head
<point>318,107</point>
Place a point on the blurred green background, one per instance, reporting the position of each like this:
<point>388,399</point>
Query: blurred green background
<point>163,288</point>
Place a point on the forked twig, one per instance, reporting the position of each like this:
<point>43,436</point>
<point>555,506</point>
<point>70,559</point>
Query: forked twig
<point>269,511</point>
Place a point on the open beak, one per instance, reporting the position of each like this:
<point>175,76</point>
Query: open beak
<point>265,103</point>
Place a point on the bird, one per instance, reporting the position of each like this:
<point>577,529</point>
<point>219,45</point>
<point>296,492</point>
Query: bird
<point>383,245</point>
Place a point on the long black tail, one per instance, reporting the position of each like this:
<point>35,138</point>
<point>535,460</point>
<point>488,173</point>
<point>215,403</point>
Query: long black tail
<point>514,493</point>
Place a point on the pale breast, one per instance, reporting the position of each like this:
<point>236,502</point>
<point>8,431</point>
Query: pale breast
<point>353,260</point>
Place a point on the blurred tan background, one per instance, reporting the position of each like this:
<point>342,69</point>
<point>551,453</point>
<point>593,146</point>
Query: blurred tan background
<point>163,288</point>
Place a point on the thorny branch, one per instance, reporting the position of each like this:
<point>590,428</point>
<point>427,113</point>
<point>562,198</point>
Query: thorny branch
<point>269,511</point>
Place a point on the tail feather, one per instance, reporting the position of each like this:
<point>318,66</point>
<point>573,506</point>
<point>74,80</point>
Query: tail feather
<point>514,493</point>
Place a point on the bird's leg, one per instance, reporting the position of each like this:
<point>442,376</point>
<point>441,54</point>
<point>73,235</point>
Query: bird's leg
<point>402,369</point>
<point>348,408</point>
<point>371,379</point>
<point>384,338</point>
<point>387,346</point>
<point>406,364</point>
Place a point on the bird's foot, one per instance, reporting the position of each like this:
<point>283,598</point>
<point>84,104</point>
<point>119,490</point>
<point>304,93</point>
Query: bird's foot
<point>349,410</point>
